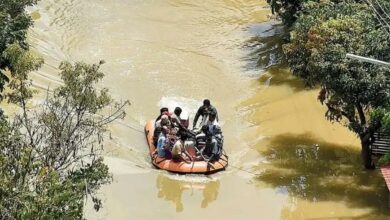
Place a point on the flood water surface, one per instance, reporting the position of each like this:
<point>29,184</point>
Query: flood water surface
<point>286,160</point>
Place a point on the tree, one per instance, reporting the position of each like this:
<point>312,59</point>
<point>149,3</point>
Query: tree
<point>50,156</point>
<point>290,10</point>
<point>287,10</point>
<point>14,24</point>
<point>320,39</point>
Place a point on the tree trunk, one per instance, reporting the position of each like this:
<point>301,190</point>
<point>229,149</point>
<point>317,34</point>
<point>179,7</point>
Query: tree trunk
<point>366,153</point>
<point>365,136</point>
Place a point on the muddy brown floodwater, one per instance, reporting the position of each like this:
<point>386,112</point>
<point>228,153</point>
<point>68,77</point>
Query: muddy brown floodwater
<point>287,161</point>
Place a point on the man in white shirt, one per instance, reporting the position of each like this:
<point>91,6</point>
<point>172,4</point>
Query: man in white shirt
<point>204,111</point>
<point>214,138</point>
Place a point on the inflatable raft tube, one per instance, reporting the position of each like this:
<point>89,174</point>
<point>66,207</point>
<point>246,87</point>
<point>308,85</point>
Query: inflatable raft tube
<point>194,167</point>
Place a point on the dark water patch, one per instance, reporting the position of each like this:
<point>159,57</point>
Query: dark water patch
<point>315,170</point>
<point>264,45</point>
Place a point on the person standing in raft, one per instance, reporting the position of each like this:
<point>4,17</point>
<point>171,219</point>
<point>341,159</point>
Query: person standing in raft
<point>214,138</point>
<point>163,144</point>
<point>204,111</point>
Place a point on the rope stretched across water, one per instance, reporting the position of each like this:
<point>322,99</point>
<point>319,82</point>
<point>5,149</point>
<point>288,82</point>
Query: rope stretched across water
<point>134,128</point>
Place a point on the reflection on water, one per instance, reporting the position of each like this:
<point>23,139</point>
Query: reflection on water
<point>210,193</point>
<point>316,171</point>
<point>172,189</point>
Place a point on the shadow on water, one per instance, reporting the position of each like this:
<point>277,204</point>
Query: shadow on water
<point>265,52</point>
<point>313,170</point>
<point>265,45</point>
<point>171,189</point>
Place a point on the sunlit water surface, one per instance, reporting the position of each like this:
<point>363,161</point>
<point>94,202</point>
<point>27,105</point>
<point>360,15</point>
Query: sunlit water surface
<point>286,160</point>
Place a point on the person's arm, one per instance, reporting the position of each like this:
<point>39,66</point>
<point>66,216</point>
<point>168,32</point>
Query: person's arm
<point>198,113</point>
<point>177,122</point>
<point>181,127</point>
<point>184,150</point>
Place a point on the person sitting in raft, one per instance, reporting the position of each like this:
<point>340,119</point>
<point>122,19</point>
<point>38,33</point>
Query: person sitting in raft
<point>163,111</point>
<point>164,121</point>
<point>179,153</point>
<point>204,111</point>
<point>214,138</point>
<point>175,118</point>
<point>163,143</point>
<point>176,121</point>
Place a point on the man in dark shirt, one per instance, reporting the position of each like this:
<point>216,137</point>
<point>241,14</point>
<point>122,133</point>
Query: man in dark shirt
<point>204,111</point>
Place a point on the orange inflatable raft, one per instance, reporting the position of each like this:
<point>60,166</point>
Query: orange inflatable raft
<point>198,167</point>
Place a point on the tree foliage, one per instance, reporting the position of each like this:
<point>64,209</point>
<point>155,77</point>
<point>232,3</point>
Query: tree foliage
<point>14,24</point>
<point>317,54</point>
<point>287,10</point>
<point>382,116</point>
<point>50,156</point>
<point>321,36</point>
<point>290,10</point>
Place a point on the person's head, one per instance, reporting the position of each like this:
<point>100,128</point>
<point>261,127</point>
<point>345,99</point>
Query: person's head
<point>205,129</point>
<point>177,111</point>
<point>163,110</point>
<point>174,131</point>
<point>164,120</point>
<point>212,116</point>
<point>206,102</point>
